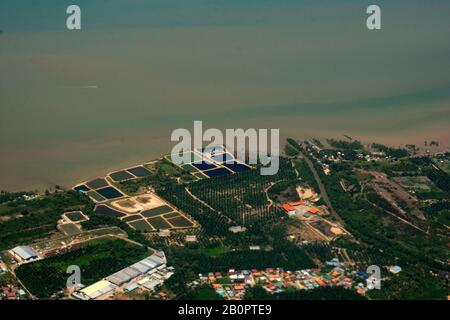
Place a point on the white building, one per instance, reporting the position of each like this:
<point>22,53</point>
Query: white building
<point>24,253</point>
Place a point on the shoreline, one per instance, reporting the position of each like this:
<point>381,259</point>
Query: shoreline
<point>77,179</point>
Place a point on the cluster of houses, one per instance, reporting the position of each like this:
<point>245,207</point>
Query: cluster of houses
<point>12,292</point>
<point>303,209</point>
<point>232,284</point>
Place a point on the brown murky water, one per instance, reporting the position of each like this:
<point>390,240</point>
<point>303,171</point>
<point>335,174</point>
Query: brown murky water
<point>74,105</point>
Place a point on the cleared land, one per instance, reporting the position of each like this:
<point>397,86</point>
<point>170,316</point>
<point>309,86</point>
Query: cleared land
<point>70,229</point>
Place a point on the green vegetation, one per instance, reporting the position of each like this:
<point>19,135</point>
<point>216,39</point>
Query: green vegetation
<point>214,251</point>
<point>35,219</point>
<point>11,196</point>
<point>320,251</point>
<point>163,173</point>
<point>305,174</point>
<point>345,145</point>
<point>188,263</point>
<point>6,278</point>
<point>290,150</point>
<point>96,259</point>
<point>412,284</point>
<point>238,199</point>
<point>410,244</point>
<point>391,152</point>
<point>284,191</point>
<point>204,292</point>
<point>440,179</point>
<point>383,239</point>
<point>294,144</point>
<point>258,293</point>
<point>98,221</point>
<point>284,254</point>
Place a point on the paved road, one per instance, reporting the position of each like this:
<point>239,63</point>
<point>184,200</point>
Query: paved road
<point>323,191</point>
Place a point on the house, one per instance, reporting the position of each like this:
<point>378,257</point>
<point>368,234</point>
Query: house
<point>395,269</point>
<point>289,209</point>
<point>191,238</point>
<point>313,210</point>
<point>131,287</point>
<point>10,295</point>
<point>237,229</point>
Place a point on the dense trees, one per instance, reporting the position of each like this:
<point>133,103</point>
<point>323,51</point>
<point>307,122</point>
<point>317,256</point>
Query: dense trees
<point>412,283</point>
<point>391,152</point>
<point>440,179</point>
<point>305,174</point>
<point>10,196</point>
<point>238,199</point>
<point>322,251</point>
<point>40,218</point>
<point>325,293</point>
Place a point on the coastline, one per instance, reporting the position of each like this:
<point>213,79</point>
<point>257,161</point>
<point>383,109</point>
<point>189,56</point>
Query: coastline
<point>73,177</point>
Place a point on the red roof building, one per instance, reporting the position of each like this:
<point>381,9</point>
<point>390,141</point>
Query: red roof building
<point>296,203</point>
<point>288,208</point>
<point>313,210</point>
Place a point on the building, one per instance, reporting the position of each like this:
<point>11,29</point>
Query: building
<point>102,289</point>
<point>148,273</point>
<point>24,253</point>
<point>314,210</point>
<point>123,276</point>
<point>289,209</point>
<point>191,238</point>
<point>395,269</point>
<point>237,229</point>
<point>297,203</point>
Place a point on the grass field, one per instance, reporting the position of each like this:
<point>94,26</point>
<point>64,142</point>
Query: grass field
<point>214,251</point>
<point>420,186</point>
<point>415,183</point>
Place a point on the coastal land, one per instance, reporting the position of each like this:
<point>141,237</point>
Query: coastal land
<point>336,207</point>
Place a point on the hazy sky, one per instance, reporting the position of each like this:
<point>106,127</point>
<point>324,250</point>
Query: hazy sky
<point>75,104</point>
